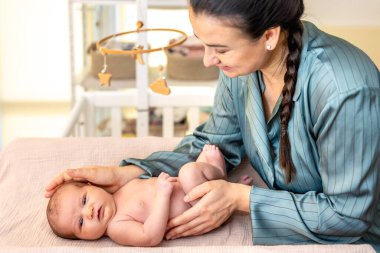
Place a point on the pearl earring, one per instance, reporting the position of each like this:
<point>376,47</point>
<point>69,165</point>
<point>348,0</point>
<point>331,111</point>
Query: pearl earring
<point>269,47</point>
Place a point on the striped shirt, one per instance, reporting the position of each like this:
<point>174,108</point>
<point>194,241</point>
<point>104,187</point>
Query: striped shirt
<point>334,132</point>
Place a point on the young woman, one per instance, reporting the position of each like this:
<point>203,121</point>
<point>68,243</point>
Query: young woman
<point>304,106</point>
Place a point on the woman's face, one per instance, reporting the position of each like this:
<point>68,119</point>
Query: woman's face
<point>227,47</point>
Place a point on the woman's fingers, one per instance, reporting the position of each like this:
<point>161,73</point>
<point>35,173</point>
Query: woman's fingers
<point>199,225</point>
<point>49,193</point>
<point>80,174</point>
<point>187,221</point>
<point>57,181</point>
<point>192,213</point>
<point>186,217</point>
<point>198,192</point>
<point>111,178</point>
<point>173,179</point>
<point>216,204</point>
<point>90,174</point>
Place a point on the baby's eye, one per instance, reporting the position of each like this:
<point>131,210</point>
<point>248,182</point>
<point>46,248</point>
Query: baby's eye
<point>81,222</point>
<point>84,200</point>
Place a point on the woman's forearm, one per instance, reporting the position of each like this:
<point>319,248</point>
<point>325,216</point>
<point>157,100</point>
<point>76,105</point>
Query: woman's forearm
<point>127,173</point>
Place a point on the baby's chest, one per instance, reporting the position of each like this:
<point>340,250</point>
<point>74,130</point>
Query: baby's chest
<point>135,204</point>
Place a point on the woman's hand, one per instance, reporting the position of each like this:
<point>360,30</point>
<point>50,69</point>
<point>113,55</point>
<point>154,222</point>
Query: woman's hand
<point>219,199</point>
<point>110,178</point>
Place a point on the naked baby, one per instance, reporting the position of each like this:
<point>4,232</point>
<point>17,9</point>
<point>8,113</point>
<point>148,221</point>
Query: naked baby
<point>137,214</point>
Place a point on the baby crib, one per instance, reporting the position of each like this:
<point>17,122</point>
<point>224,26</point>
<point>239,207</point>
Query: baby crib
<point>82,117</point>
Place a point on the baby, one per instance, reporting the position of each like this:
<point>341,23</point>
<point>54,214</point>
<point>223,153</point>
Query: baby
<point>135,215</point>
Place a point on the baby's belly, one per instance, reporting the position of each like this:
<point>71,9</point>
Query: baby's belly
<point>177,205</point>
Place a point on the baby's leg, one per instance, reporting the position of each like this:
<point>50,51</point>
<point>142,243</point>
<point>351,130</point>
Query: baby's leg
<point>212,155</point>
<point>210,165</point>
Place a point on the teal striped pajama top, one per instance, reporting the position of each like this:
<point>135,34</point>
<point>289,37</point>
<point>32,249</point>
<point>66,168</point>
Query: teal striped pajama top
<point>334,131</point>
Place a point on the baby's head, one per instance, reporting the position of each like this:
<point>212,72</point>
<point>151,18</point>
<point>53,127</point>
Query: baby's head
<point>80,211</point>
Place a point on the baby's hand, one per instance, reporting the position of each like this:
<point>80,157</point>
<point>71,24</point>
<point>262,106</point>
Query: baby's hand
<point>165,183</point>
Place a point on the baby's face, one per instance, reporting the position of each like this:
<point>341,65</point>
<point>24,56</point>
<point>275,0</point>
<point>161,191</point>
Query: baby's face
<point>86,211</point>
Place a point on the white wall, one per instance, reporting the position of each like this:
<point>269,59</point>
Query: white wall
<point>34,60</point>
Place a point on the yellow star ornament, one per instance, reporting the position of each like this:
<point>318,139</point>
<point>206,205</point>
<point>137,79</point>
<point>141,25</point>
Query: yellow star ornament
<point>105,79</point>
<point>160,86</point>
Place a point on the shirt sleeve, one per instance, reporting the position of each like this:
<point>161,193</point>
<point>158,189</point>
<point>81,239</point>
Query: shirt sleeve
<point>221,129</point>
<point>349,146</point>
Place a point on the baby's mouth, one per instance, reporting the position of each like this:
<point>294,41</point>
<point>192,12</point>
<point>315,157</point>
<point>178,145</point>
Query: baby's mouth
<point>100,213</point>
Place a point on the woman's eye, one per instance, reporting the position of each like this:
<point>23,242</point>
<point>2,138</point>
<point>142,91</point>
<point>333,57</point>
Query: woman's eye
<point>84,199</point>
<point>221,52</point>
<point>81,222</point>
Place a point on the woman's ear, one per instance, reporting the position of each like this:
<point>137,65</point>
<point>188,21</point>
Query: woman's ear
<point>272,37</point>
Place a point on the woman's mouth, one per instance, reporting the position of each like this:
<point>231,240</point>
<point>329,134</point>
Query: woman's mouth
<point>225,68</point>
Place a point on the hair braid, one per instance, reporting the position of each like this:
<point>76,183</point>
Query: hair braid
<point>295,31</point>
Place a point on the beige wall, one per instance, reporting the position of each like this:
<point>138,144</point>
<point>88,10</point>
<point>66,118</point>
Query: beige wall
<point>366,38</point>
<point>355,21</point>
<point>37,119</point>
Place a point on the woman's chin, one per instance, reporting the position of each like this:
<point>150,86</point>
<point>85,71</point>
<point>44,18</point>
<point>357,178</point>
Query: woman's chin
<point>231,74</point>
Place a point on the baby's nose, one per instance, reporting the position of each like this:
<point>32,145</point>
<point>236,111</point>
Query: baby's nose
<point>90,212</point>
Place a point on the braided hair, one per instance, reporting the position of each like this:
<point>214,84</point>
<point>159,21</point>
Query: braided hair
<point>254,17</point>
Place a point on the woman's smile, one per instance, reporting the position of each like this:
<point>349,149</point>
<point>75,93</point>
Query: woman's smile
<point>225,68</point>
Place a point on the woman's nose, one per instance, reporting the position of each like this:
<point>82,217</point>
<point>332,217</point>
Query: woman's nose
<point>209,58</point>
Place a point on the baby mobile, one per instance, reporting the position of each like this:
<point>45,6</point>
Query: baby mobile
<point>160,85</point>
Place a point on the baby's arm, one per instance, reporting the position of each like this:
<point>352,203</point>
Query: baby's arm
<point>152,231</point>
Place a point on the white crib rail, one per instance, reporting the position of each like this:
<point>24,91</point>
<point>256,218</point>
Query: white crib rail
<point>192,97</point>
<point>74,117</point>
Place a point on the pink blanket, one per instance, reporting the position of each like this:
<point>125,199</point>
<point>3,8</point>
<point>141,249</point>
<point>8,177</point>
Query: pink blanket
<point>27,165</point>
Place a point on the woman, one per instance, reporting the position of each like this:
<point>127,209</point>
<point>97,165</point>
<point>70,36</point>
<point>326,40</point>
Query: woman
<point>304,106</point>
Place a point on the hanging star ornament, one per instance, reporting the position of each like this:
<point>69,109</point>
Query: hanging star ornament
<point>137,55</point>
<point>105,79</point>
<point>160,86</point>
<point>139,59</point>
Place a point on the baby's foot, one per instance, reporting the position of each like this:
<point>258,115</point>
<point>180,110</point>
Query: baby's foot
<point>246,179</point>
<point>212,155</point>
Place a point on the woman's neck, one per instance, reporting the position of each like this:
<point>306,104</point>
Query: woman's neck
<point>274,71</point>
<point>273,76</point>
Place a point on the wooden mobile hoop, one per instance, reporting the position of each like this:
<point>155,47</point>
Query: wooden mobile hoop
<point>136,53</point>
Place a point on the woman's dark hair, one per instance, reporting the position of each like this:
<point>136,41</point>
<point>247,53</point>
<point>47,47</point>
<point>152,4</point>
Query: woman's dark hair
<point>254,17</point>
